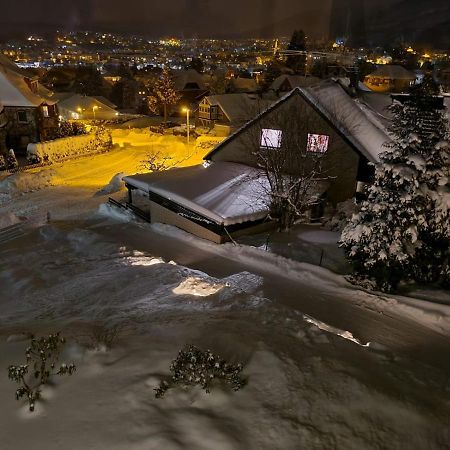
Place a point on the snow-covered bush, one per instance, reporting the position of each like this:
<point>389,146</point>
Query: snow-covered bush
<point>11,160</point>
<point>197,367</point>
<point>403,229</point>
<point>41,358</point>
<point>53,151</point>
<point>67,129</point>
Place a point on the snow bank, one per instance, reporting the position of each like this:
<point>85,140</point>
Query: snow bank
<point>7,219</point>
<point>23,182</point>
<point>59,149</point>
<point>432,315</point>
<point>115,185</point>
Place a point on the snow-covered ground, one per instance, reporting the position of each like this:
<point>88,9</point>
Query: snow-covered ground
<point>328,366</point>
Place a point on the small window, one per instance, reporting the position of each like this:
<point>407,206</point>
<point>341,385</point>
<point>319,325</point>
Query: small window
<point>271,138</point>
<point>45,111</point>
<point>318,143</point>
<point>22,116</point>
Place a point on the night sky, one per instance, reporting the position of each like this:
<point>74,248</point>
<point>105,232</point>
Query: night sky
<point>391,19</point>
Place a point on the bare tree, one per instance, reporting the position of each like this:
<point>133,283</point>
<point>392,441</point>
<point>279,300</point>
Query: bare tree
<point>290,150</point>
<point>158,161</point>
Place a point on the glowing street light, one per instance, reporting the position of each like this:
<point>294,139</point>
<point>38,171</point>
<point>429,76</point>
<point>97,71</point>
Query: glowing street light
<point>187,111</point>
<point>94,108</point>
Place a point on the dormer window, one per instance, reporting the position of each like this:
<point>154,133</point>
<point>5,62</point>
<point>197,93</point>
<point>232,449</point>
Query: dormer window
<point>271,138</point>
<point>318,143</point>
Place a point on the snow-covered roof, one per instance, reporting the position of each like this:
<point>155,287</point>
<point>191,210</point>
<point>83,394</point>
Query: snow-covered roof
<point>244,84</point>
<point>239,107</point>
<point>15,91</point>
<point>362,130</point>
<point>393,72</point>
<point>294,81</point>
<point>187,79</point>
<point>73,102</point>
<point>223,192</point>
<point>7,64</point>
<point>353,122</point>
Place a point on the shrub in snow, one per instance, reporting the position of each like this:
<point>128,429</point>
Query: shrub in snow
<point>197,367</point>
<point>57,150</point>
<point>403,229</point>
<point>2,163</point>
<point>157,161</point>
<point>41,364</point>
<point>11,160</point>
<point>68,129</point>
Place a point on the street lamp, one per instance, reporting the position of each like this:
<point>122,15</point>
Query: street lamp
<point>187,111</point>
<point>94,108</point>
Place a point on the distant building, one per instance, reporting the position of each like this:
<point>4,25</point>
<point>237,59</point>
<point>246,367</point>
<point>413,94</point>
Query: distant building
<point>75,106</point>
<point>240,85</point>
<point>285,83</point>
<point>390,78</point>
<point>190,86</point>
<point>29,115</point>
<point>226,113</point>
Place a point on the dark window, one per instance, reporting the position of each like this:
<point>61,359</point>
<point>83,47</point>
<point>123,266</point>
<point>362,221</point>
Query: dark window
<point>22,116</point>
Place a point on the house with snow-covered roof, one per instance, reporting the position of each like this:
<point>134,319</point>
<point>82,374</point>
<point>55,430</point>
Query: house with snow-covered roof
<point>225,113</point>
<point>30,116</point>
<point>390,78</point>
<point>227,195</point>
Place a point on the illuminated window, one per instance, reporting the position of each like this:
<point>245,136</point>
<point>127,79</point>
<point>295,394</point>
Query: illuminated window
<point>271,138</point>
<point>45,111</point>
<point>318,143</point>
<point>22,116</point>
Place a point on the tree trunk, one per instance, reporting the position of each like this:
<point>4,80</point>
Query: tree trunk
<point>165,115</point>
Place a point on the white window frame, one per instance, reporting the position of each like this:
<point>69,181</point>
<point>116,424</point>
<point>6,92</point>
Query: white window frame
<point>271,138</point>
<point>326,144</point>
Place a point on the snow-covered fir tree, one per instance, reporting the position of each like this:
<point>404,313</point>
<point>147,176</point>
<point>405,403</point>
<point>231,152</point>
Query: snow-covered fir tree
<point>402,230</point>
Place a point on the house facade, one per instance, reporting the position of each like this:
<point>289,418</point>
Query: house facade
<point>390,78</point>
<point>225,113</point>
<point>229,194</point>
<point>29,116</point>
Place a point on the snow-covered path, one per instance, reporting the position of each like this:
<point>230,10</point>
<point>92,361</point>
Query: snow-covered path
<point>310,384</point>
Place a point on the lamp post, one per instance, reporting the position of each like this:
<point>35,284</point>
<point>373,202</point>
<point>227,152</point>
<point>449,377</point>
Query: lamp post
<point>79,112</point>
<point>94,108</point>
<point>187,111</point>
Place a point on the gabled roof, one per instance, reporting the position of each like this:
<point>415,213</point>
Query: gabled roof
<point>184,78</point>
<point>244,84</point>
<point>393,72</point>
<point>6,63</point>
<point>105,101</point>
<point>72,102</point>
<point>294,81</point>
<point>331,101</point>
<point>15,91</point>
<point>238,107</point>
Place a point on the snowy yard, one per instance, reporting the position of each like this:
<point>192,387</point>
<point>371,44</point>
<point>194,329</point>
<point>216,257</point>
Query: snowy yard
<point>328,366</point>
